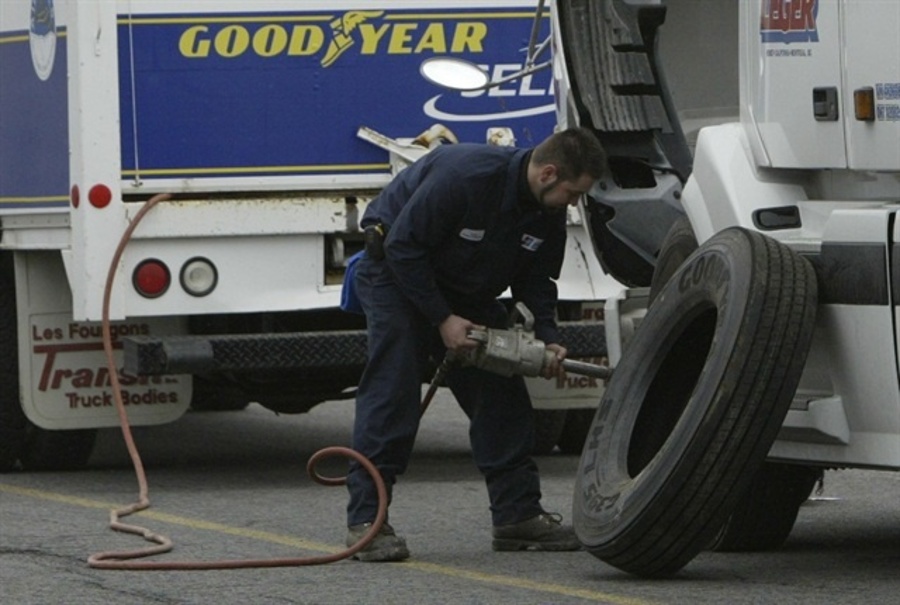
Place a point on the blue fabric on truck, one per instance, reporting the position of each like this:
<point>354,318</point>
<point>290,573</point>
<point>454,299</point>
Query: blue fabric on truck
<point>349,299</point>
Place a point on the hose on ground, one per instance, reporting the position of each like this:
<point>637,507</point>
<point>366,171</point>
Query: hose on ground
<point>125,559</point>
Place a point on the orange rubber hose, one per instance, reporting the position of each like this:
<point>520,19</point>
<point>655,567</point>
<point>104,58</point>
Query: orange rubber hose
<point>125,559</point>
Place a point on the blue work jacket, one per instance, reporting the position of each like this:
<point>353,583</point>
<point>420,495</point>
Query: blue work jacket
<point>462,226</point>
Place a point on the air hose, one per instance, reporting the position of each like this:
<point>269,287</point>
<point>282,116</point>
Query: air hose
<point>161,544</point>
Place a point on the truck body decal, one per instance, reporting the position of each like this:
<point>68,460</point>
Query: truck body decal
<point>787,21</point>
<point>34,136</point>
<point>281,94</point>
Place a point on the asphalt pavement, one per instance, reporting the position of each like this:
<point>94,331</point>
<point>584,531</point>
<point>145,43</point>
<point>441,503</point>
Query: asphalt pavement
<point>232,485</point>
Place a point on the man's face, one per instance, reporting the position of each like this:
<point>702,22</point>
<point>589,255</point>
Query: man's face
<point>556,194</point>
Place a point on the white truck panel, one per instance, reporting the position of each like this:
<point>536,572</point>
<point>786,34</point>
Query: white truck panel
<point>871,57</point>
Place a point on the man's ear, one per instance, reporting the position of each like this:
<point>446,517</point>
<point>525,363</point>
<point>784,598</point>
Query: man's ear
<point>548,174</point>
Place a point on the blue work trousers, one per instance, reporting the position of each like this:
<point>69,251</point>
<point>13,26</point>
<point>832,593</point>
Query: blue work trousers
<point>388,404</point>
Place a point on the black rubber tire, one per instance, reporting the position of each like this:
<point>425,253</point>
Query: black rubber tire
<point>13,424</point>
<point>210,396</point>
<point>695,403</point>
<point>575,430</point>
<point>57,450</point>
<point>679,243</point>
<point>766,513</point>
<point>548,425</point>
<point>20,440</point>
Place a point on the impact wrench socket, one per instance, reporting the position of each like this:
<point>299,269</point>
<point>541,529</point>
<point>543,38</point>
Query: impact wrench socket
<point>517,351</point>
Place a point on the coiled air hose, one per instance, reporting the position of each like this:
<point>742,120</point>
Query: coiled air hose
<point>125,559</point>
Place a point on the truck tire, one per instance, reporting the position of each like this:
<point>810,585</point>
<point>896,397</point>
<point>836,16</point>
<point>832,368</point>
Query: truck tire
<point>766,513</point>
<point>695,403</point>
<point>13,424</point>
<point>57,450</point>
<point>20,440</point>
<point>679,243</point>
<point>208,395</point>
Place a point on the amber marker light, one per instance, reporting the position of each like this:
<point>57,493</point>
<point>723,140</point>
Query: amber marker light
<point>864,104</point>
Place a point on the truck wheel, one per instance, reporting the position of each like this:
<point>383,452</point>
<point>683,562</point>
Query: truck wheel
<point>695,403</point>
<point>766,512</point>
<point>13,423</point>
<point>20,440</point>
<point>548,425</point>
<point>679,243</point>
<point>575,430</point>
<point>57,450</point>
<point>209,395</point>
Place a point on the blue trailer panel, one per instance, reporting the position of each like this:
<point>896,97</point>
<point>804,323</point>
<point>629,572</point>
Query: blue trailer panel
<point>34,143</point>
<point>282,94</point>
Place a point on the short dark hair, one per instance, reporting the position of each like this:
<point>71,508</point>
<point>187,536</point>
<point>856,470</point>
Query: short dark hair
<point>574,151</point>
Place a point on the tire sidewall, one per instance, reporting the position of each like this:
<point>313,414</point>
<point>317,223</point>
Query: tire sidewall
<point>718,276</point>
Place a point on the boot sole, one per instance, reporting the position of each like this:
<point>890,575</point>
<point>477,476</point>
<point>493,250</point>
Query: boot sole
<point>382,555</point>
<point>509,545</point>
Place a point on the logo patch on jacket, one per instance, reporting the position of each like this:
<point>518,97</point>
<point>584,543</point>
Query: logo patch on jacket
<point>473,235</point>
<point>531,243</point>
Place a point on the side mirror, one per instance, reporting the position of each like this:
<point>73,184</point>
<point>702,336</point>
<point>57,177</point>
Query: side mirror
<point>453,73</point>
<point>459,74</point>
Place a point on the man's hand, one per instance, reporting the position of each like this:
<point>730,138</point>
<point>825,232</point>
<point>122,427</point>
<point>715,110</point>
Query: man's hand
<point>554,369</point>
<point>454,332</point>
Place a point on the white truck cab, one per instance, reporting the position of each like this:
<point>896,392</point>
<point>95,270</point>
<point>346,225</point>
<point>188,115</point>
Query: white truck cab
<point>764,137</point>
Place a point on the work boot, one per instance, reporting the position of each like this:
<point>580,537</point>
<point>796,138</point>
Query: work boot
<point>544,532</point>
<point>387,545</point>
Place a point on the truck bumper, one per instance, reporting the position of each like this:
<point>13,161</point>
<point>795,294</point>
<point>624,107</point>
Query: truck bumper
<point>159,355</point>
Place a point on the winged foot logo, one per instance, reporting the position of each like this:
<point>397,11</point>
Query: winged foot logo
<point>42,37</point>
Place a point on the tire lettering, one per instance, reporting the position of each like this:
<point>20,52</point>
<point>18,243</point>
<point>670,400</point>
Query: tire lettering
<point>705,270</point>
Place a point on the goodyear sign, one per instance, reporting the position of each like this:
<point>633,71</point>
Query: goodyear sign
<point>34,160</point>
<point>284,94</point>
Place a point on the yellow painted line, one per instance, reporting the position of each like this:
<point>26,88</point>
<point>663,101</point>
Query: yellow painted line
<point>33,200</point>
<point>255,169</point>
<point>423,16</point>
<point>24,37</point>
<point>264,536</point>
<point>301,19</point>
<point>232,19</point>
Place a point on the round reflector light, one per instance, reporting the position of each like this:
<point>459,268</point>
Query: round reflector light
<point>199,276</point>
<point>151,278</point>
<point>100,196</point>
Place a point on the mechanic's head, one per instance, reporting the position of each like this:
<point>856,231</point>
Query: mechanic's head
<point>564,167</point>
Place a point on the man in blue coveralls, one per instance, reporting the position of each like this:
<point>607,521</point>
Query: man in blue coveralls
<point>448,235</point>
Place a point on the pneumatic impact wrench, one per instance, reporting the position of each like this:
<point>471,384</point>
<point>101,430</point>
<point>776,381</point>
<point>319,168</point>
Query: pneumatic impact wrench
<point>510,352</point>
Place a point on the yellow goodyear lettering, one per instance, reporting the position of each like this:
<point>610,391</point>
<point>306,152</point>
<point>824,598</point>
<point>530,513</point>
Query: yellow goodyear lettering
<point>401,37</point>
<point>232,41</point>
<point>306,40</point>
<point>191,45</point>
<point>433,39</point>
<point>352,29</point>
<point>371,35</point>
<point>469,37</point>
<point>270,40</point>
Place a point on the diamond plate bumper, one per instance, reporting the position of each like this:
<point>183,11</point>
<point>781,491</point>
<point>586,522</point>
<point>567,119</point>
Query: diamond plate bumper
<point>148,355</point>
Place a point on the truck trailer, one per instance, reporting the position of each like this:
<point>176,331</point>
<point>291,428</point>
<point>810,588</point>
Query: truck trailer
<point>270,125</point>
